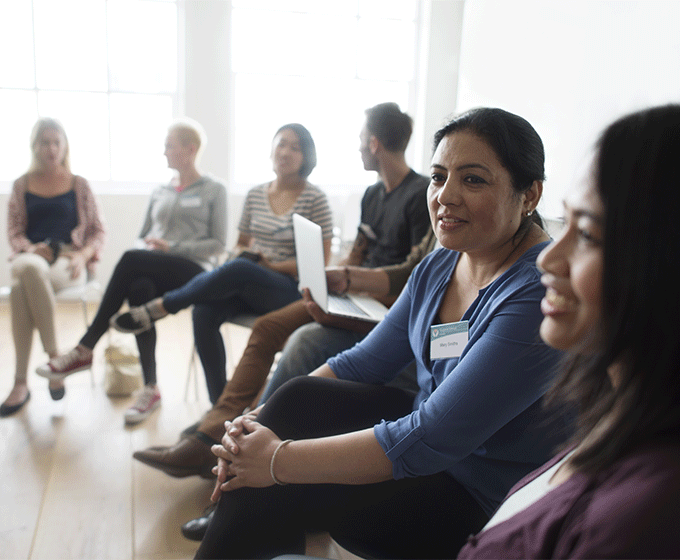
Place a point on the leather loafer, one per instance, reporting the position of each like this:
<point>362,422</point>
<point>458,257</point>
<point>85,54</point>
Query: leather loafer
<point>195,529</point>
<point>7,410</point>
<point>190,430</point>
<point>188,457</point>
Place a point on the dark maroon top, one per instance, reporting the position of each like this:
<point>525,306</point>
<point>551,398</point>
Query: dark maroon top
<point>630,510</point>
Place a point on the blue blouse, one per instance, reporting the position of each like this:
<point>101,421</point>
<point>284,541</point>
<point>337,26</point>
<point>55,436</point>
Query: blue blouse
<point>52,217</point>
<point>478,417</point>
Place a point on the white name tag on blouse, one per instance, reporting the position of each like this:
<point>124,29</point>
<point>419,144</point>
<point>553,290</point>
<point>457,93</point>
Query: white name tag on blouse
<point>190,202</point>
<point>448,340</point>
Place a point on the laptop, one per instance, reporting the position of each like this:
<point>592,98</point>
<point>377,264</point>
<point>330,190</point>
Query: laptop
<point>312,275</point>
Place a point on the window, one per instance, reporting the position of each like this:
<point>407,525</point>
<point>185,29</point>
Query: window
<point>320,63</point>
<point>107,69</point>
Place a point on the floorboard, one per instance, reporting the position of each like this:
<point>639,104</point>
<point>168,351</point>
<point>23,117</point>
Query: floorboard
<point>70,487</point>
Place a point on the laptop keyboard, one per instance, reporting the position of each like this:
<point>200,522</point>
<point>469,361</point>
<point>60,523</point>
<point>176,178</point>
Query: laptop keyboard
<point>344,305</point>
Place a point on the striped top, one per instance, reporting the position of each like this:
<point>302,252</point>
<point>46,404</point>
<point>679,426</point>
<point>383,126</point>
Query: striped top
<point>272,234</point>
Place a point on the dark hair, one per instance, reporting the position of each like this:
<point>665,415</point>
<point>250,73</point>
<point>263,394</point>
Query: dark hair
<point>307,147</point>
<point>636,172</point>
<point>388,124</point>
<point>515,142</point>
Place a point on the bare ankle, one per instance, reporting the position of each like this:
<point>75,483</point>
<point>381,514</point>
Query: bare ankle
<point>84,350</point>
<point>156,309</point>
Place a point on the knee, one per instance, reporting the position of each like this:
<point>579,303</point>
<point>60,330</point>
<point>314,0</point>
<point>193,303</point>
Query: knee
<point>28,265</point>
<point>272,325</point>
<point>141,290</point>
<point>305,338</point>
<point>129,258</point>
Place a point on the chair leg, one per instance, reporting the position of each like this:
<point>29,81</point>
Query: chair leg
<point>192,373</point>
<point>83,304</point>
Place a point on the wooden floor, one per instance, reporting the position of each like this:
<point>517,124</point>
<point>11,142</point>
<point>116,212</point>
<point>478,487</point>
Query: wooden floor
<point>70,488</point>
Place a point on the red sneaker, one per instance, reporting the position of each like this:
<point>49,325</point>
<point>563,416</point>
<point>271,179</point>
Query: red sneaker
<point>148,400</point>
<point>62,366</point>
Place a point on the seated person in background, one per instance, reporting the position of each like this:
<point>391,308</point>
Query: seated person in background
<point>56,235</point>
<point>191,455</point>
<point>388,475</point>
<point>611,298</point>
<point>393,221</point>
<point>395,210</point>
<point>263,276</point>
<point>183,233</point>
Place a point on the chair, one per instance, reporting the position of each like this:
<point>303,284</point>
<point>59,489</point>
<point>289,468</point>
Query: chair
<point>246,320</point>
<point>87,293</point>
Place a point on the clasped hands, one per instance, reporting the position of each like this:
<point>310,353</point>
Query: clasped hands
<point>77,261</point>
<point>244,456</point>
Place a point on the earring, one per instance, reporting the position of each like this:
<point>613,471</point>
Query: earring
<point>529,213</point>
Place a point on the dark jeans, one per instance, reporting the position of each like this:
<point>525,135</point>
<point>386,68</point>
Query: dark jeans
<point>139,277</point>
<point>422,517</point>
<point>238,286</point>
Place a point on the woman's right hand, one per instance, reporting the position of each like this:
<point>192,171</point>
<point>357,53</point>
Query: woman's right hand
<point>232,431</point>
<point>43,250</point>
<point>235,428</point>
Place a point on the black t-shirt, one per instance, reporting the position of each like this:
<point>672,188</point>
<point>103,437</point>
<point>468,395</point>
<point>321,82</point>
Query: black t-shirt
<point>396,221</point>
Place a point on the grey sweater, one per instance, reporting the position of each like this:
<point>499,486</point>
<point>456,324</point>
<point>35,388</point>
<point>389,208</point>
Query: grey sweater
<point>193,221</point>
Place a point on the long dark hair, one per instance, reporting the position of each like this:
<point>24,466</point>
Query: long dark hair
<point>636,172</point>
<point>516,143</point>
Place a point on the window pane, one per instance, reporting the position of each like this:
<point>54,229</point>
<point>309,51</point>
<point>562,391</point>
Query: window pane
<point>286,43</point>
<point>388,9</point>
<point>16,45</point>
<point>397,62</point>
<point>85,119</point>
<point>346,7</point>
<point>70,50</point>
<point>143,46</point>
<point>18,113</point>
<point>139,124</point>
<point>334,121</point>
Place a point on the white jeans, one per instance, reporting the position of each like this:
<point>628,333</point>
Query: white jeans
<point>34,283</point>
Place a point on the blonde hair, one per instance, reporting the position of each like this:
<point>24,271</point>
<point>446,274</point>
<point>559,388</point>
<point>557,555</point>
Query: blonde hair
<point>190,131</point>
<point>47,123</point>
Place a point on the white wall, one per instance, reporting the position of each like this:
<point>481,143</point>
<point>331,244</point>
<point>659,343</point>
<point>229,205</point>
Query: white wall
<point>206,99</point>
<point>569,67</point>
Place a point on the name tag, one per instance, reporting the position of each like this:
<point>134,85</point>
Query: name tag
<point>190,202</point>
<point>448,341</point>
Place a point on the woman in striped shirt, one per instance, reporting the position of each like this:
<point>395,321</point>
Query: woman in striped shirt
<point>263,275</point>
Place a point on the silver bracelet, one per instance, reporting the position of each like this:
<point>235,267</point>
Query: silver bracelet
<point>271,464</point>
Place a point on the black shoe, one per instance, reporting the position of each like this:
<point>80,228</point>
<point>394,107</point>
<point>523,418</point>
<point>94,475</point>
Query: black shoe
<point>57,394</point>
<point>195,529</point>
<point>134,321</point>
<point>7,410</point>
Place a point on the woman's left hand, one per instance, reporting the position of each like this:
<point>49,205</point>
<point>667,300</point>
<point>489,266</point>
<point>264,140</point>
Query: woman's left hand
<point>157,244</point>
<point>244,458</point>
<point>77,263</point>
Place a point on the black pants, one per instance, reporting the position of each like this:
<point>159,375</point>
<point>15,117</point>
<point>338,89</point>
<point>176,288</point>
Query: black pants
<point>139,277</point>
<point>423,517</point>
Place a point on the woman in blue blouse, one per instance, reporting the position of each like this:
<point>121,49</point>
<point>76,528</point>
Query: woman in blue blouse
<point>387,474</point>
